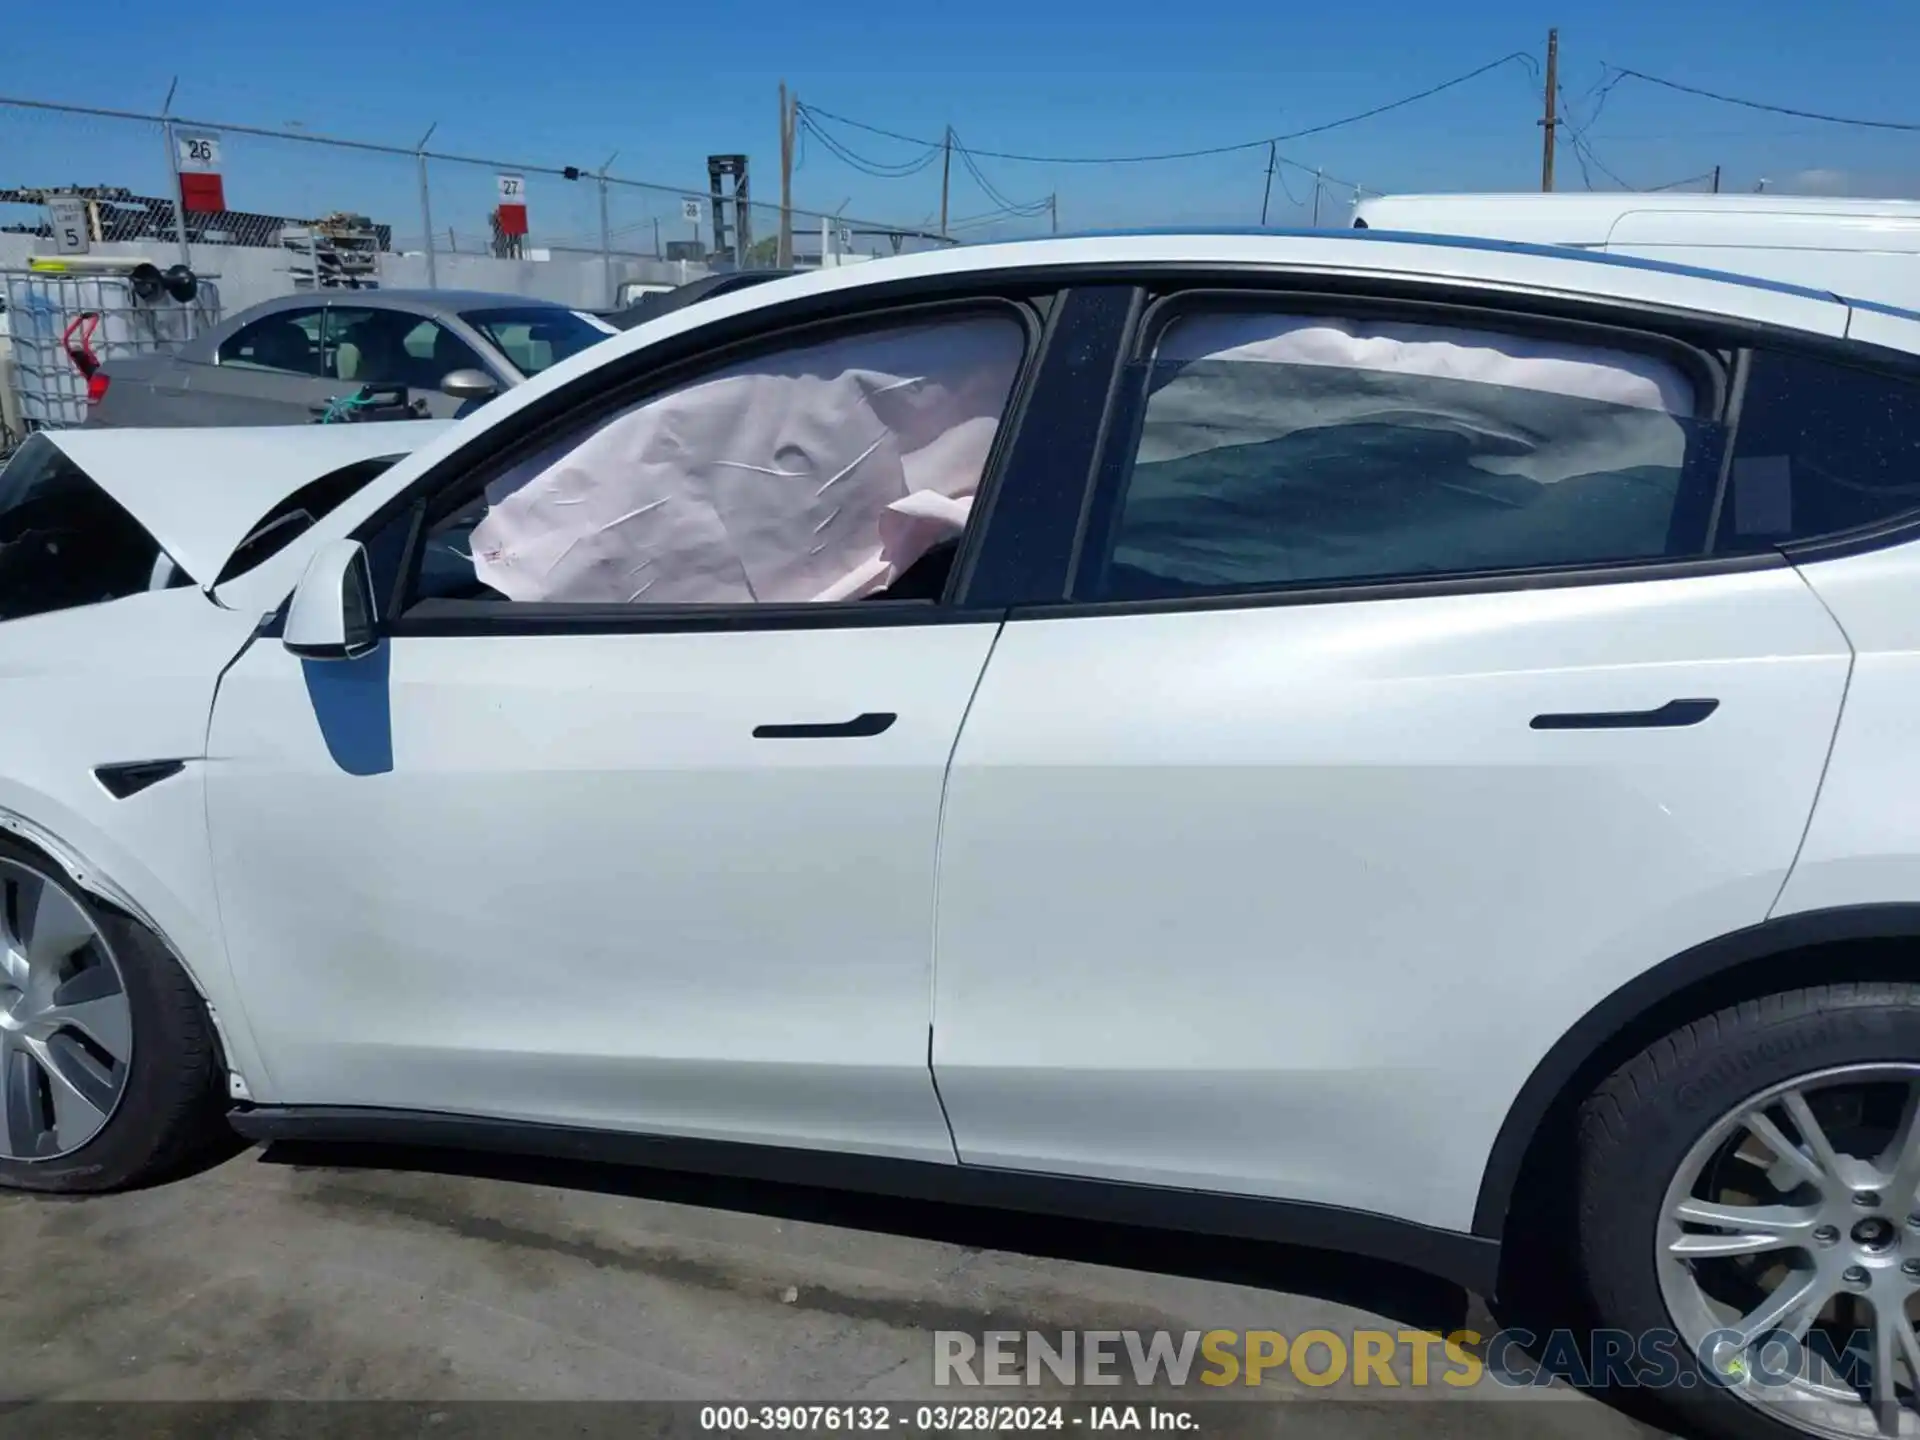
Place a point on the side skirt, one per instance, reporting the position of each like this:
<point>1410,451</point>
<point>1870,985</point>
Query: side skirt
<point>1470,1261</point>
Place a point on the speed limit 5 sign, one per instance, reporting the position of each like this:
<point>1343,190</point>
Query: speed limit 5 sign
<point>67,217</point>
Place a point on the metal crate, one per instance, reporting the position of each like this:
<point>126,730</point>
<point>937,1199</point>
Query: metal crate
<point>47,311</point>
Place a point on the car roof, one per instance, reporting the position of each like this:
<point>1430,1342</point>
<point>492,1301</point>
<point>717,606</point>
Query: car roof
<point>440,301</point>
<point>1771,203</point>
<point>1439,260</point>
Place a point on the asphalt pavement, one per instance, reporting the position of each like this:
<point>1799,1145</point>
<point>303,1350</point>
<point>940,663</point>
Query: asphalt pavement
<point>455,1283</point>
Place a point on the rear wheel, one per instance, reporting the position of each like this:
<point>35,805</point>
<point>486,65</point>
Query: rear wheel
<point>1750,1185</point>
<point>108,1072</point>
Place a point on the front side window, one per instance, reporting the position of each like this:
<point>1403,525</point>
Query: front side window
<point>393,347</point>
<point>828,471</point>
<point>534,337</point>
<point>1282,449</point>
<point>287,342</point>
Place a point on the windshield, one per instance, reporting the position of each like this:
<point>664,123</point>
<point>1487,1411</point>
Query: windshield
<point>534,337</point>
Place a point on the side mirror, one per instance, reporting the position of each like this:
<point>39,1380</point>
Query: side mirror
<point>470,385</point>
<point>331,615</point>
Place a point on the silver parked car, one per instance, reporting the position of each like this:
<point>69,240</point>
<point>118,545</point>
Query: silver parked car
<point>286,361</point>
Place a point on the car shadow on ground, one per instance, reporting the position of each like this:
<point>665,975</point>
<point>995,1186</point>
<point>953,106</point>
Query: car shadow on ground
<point>1411,1299</point>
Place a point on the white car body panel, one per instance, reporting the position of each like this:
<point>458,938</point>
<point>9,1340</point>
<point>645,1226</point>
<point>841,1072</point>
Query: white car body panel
<point>1862,848</point>
<point>1222,891</point>
<point>121,683</point>
<point>582,891</point>
<point>1869,249</point>
<point>200,491</point>
<point>1570,218</point>
<point>134,681</point>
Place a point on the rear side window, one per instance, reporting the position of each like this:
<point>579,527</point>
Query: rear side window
<point>1820,448</point>
<point>65,542</point>
<point>286,342</point>
<point>1281,450</point>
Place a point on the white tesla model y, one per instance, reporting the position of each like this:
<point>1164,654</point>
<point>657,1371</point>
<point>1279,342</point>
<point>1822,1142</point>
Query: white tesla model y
<point>1353,739</point>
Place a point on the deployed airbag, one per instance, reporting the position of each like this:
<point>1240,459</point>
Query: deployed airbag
<point>813,474</point>
<point>1286,448</point>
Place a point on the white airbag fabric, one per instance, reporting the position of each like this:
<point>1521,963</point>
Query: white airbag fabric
<point>1210,391</point>
<point>814,474</point>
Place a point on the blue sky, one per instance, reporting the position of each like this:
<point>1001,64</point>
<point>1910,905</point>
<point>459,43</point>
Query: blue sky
<point>664,85</point>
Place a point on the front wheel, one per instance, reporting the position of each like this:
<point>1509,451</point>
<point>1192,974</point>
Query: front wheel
<point>1749,1189</point>
<point>108,1071</point>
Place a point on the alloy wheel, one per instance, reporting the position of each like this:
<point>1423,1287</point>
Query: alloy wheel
<point>66,1028</point>
<point>1788,1251</point>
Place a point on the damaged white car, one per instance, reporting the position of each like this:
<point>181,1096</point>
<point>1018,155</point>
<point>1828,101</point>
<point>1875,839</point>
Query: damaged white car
<point>1393,744</point>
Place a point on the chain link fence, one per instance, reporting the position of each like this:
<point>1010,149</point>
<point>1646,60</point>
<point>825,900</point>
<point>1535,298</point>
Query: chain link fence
<point>273,211</point>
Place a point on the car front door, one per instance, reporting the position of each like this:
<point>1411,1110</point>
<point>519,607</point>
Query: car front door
<point>631,818</point>
<point>377,346</point>
<point>1398,715</point>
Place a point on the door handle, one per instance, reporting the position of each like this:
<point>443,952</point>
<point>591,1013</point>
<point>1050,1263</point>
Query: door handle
<point>873,722</point>
<point>1671,715</point>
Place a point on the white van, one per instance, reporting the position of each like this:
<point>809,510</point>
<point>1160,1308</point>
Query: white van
<point>1862,249</point>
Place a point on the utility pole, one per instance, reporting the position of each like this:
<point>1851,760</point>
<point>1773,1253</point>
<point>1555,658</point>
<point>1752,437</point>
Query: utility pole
<point>1267,194</point>
<point>1053,210</point>
<point>1316,199</point>
<point>946,173</point>
<point>1551,121</point>
<point>1716,179</point>
<point>789,111</point>
<point>606,235</point>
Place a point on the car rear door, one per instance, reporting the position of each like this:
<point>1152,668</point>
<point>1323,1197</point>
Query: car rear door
<point>268,372</point>
<point>1398,713</point>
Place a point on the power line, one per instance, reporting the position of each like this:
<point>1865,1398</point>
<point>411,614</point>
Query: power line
<point>991,217</point>
<point>886,170</point>
<point>987,188</point>
<point>1287,190</point>
<point>817,129</point>
<point>1518,55</point>
<point>1583,151</point>
<point>1905,125</point>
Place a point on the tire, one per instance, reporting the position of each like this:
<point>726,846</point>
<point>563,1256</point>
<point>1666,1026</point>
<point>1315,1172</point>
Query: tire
<point>171,1104</point>
<point>1648,1125</point>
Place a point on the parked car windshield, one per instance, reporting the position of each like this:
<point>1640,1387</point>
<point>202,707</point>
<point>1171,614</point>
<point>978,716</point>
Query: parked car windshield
<point>534,337</point>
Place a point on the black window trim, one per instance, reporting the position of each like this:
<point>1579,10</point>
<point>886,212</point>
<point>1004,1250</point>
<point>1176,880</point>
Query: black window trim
<point>596,396</point>
<point>1687,336</point>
